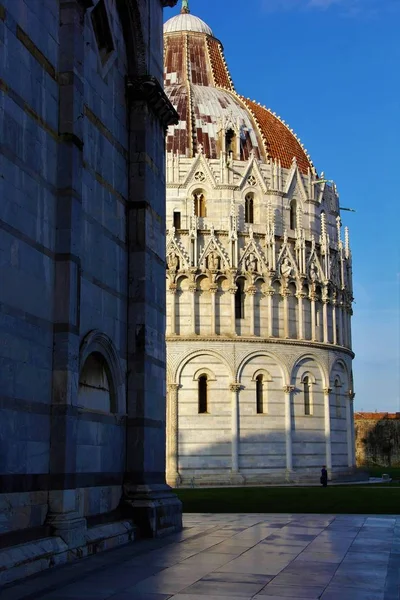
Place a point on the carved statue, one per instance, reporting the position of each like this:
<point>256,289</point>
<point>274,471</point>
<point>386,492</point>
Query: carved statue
<point>286,268</point>
<point>213,261</point>
<point>251,263</point>
<point>313,271</point>
<point>173,261</point>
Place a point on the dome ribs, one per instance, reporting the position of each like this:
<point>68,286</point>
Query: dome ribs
<point>199,69</point>
<point>200,87</point>
<point>174,63</point>
<point>280,142</point>
<point>219,67</point>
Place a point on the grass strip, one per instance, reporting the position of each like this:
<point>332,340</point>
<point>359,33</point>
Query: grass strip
<point>333,499</point>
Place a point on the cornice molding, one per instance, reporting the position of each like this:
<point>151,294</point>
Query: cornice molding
<point>259,340</point>
<point>148,89</point>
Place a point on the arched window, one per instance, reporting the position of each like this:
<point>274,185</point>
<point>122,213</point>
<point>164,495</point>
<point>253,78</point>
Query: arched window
<point>260,394</point>
<point>249,208</point>
<point>177,219</point>
<point>293,214</point>
<point>239,299</point>
<point>202,383</point>
<point>200,208</point>
<point>307,395</point>
<point>95,392</point>
<point>230,142</point>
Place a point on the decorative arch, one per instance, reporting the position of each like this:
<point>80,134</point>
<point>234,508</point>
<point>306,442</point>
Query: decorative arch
<point>97,342</point>
<point>254,354</point>
<point>249,202</point>
<point>309,375</point>
<point>199,198</point>
<point>315,359</point>
<point>266,374</point>
<point>342,363</point>
<point>204,371</point>
<point>189,357</point>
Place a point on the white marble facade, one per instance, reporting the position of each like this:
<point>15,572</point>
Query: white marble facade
<point>259,304</point>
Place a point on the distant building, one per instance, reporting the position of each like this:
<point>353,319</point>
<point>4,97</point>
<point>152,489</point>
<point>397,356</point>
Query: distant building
<point>377,439</point>
<point>82,291</point>
<point>259,285</point>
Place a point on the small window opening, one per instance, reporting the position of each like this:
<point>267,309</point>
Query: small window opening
<point>307,402</point>
<point>202,394</point>
<point>230,142</point>
<point>293,214</point>
<point>249,209</point>
<point>260,394</point>
<point>200,209</point>
<point>177,219</point>
<point>239,300</point>
<point>102,31</point>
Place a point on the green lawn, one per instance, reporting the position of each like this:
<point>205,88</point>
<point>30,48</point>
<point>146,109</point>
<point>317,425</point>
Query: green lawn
<point>333,499</point>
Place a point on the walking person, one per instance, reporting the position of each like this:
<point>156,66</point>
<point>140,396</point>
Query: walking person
<point>324,477</point>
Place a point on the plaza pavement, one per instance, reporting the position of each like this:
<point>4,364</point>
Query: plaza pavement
<point>238,556</point>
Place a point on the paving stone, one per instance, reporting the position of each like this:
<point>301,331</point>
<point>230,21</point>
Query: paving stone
<point>202,563</point>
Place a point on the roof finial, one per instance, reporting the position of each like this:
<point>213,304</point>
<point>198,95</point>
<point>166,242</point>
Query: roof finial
<point>185,7</point>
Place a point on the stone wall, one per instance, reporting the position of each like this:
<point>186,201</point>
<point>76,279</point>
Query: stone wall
<point>82,254</point>
<point>377,439</point>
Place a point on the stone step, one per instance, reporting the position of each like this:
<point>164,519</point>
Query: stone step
<point>17,562</point>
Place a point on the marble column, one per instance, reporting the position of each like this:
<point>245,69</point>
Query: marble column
<point>350,314</point>
<point>327,420</point>
<point>251,293</point>
<point>192,293</point>
<point>270,295</point>
<point>213,298</point>
<point>172,295</point>
<point>235,389</point>
<point>349,429</point>
<point>285,295</point>
<point>232,292</point>
<point>288,389</point>
<point>173,477</point>
<point>313,298</point>
<point>334,332</point>
<point>340,324</point>
<point>300,296</point>
<point>325,320</point>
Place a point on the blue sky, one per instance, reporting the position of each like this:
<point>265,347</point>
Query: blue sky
<point>330,68</point>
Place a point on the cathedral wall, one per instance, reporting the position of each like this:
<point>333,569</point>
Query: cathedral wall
<point>28,128</point>
<point>101,443</point>
<point>65,158</point>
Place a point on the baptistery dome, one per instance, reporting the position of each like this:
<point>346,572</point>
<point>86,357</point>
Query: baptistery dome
<point>259,285</point>
<point>198,82</point>
<point>186,22</point>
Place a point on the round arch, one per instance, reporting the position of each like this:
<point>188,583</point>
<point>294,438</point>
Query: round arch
<point>196,353</point>
<point>204,371</point>
<point>315,359</point>
<point>97,342</point>
<point>343,364</point>
<point>264,373</point>
<point>256,353</point>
